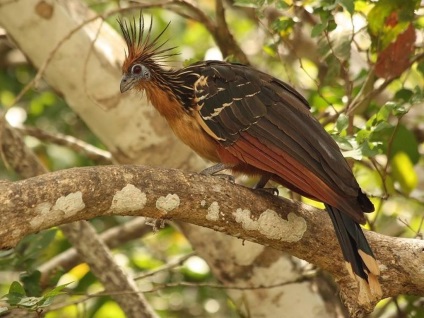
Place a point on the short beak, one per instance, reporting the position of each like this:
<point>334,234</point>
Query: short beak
<point>126,83</point>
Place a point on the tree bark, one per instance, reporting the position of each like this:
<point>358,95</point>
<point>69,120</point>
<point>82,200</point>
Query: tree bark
<point>65,196</point>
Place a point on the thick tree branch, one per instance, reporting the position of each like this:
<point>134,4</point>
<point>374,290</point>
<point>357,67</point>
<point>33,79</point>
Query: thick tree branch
<point>38,203</point>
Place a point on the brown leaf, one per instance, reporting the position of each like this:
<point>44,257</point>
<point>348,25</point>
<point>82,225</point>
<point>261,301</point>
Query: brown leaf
<point>394,59</point>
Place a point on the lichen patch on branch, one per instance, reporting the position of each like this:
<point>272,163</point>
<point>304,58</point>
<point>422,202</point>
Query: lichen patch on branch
<point>67,206</point>
<point>70,204</point>
<point>271,225</point>
<point>213,212</point>
<point>243,217</point>
<point>128,199</point>
<point>168,203</point>
<point>41,210</point>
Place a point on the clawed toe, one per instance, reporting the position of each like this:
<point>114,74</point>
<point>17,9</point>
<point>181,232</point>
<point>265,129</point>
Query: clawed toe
<point>273,191</point>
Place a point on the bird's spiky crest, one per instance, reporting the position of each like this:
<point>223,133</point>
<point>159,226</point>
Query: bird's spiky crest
<point>140,45</point>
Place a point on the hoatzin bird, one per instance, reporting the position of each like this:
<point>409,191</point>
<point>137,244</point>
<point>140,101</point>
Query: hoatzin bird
<point>253,123</point>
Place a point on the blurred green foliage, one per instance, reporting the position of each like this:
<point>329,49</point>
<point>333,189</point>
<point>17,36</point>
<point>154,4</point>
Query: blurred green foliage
<point>383,138</point>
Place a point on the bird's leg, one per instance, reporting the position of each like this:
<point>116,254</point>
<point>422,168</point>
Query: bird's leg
<point>213,170</point>
<point>260,186</point>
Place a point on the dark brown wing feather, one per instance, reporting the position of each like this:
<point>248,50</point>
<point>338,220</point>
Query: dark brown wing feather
<point>265,123</point>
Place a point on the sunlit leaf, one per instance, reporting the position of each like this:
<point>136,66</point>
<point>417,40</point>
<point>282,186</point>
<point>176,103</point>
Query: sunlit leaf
<point>109,310</point>
<point>362,136</point>
<point>249,3</point>
<point>403,172</point>
<point>58,290</point>
<point>281,4</point>
<point>283,25</point>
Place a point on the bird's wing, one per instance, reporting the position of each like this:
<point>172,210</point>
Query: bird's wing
<point>265,123</point>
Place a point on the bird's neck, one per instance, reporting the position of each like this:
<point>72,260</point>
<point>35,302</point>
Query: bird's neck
<point>169,93</point>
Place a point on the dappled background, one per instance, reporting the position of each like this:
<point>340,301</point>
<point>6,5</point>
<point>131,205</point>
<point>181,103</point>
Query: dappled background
<point>360,64</point>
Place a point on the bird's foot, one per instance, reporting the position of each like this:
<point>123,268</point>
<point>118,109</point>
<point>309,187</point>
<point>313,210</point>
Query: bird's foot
<point>227,177</point>
<point>273,191</point>
<point>213,171</point>
<point>260,186</point>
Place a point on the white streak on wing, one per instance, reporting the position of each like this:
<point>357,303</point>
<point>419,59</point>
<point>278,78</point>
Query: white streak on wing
<point>217,111</point>
<point>251,95</point>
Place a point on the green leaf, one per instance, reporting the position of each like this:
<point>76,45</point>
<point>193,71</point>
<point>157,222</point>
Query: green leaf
<point>29,302</point>
<point>348,5</point>
<point>381,126</point>
<point>403,172</point>
<point>16,293</point>
<point>345,143</point>
<point>31,282</point>
<point>45,302</point>
<point>404,95</point>
<point>56,291</point>
<point>354,154</point>
<point>30,247</point>
<point>17,288</point>
<point>13,299</point>
<point>388,19</point>
<point>385,111</point>
<point>420,67</point>
<point>362,136</point>
<point>406,142</point>
<point>249,3</point>
<point>370,149</point>
<point>342,122</point>
<point>318,29</point>
<point>283,25</point>
<point>281,4</point>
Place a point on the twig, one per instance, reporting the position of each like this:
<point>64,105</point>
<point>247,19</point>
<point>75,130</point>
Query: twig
<point>97,155</point>
<point>86,297</point>
<point>166,267</point>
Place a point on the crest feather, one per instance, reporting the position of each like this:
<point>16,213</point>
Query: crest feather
<point>141,47</point>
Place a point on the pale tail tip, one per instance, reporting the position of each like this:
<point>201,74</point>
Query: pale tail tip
<point>369,291</point>
<point>370,262</point>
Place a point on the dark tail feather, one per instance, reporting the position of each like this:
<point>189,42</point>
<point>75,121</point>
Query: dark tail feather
<point>360,260</point>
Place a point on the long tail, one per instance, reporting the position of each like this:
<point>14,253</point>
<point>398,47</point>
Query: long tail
<point>360,260</point>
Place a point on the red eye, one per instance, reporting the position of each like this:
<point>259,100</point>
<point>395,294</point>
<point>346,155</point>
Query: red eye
<point>136,69</point>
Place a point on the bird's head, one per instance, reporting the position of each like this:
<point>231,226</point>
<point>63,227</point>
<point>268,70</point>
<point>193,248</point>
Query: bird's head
<point>143,55</point>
